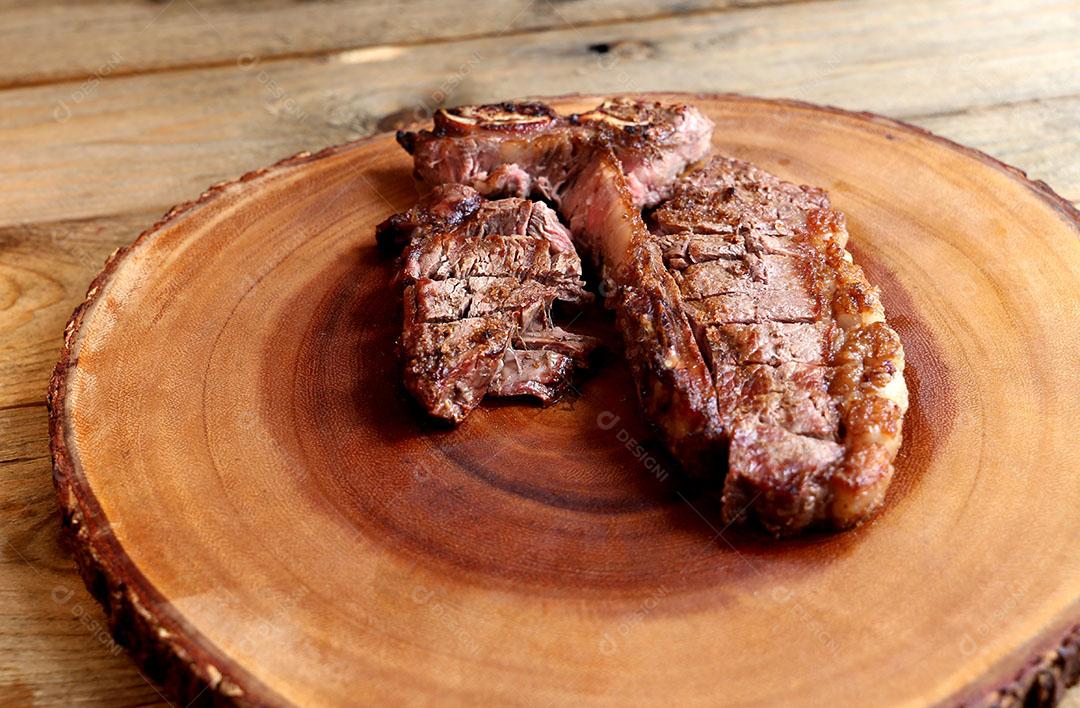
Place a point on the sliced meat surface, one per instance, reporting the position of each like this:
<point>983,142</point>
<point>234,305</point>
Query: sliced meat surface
<point>759,350</point>
<point>479,280</point>
<point>674,383</point>
<point>808,376</point>
<point>540,373</point>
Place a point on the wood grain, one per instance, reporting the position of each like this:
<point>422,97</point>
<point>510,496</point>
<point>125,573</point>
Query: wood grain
<point>51,625</point>
<point>120,38</point>
<point>529,555</point>
<point>1041,134</point>
<point>55,647</point>
<point>44,270</point>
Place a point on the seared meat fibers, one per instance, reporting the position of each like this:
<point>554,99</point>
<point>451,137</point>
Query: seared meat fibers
<point>759,350</point>
<point>479,280</point>
<point>809,377</point>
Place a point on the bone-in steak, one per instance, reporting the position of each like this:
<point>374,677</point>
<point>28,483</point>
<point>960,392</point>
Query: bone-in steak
<point>759,350</point>
<point>479,280</point>
<point>519,149</point>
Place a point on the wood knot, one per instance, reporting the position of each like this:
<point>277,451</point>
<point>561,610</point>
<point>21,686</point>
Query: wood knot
<point>631,49</point>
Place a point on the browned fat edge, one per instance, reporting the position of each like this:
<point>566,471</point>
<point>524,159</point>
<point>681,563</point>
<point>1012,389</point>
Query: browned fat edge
<point>508,116</point>
<point>456,121</point>
<point>198,672</point>
<point>932,385</point>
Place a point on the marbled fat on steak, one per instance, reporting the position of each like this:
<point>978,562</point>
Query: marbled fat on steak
<point>759,350</point>
<point>479,280</point>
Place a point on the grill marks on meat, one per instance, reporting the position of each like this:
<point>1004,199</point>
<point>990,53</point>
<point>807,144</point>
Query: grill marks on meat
<point>759,350</point>
<point>808,377</point>
<point>601,167</point>
<point>479,280</point>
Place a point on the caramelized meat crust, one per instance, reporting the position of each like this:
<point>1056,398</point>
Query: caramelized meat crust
<point>479,279</point>
<point>759,349</point>
<point>809,377</point>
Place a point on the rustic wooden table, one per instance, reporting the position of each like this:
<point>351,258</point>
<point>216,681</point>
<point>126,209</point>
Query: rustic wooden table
<point>109,114</point>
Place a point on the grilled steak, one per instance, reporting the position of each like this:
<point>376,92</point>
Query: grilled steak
<point>479,280</point>
<point>809,377</point>
<point>759,350</point>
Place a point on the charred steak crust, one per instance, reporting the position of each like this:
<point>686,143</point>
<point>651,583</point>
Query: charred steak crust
<point>759,350</point>
<point>808,375</point>
<point>478,280</point>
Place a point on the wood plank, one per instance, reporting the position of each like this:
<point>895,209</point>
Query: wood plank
<point>129,142</point>
<point>113,39</point>
<point>1041,137</point>
<point>25,433</point>
<point>55,647</point>
<point>51,630</point>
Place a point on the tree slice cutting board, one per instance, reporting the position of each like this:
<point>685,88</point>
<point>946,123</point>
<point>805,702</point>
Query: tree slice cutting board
<point>267,518</point>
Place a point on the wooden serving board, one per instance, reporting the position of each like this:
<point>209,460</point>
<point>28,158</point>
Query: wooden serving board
<point>267,518</point>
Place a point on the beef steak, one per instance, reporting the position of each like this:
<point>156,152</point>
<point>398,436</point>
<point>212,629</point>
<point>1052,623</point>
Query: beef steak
<point>759,350</point>
<point>600,167</point>
<point>479,279</point>
<point>809,377</point>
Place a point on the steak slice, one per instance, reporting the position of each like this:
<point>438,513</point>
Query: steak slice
<point>809,377</point>
<point>479,279</point>
<point>675,386</point>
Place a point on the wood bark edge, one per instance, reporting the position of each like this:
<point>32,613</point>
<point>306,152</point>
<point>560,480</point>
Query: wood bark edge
<point>161,642</point>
